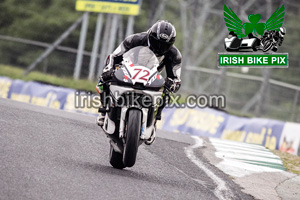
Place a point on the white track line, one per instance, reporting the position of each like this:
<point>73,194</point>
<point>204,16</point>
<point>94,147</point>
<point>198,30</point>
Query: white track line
<point>221,191</point>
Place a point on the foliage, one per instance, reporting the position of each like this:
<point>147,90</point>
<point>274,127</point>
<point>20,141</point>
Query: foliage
<point>46,20</point>
<point>40,20</point>
<point>290,162</point>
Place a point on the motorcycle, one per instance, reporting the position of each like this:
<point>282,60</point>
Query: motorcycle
<point>272,39</point>
<point>129,122</point>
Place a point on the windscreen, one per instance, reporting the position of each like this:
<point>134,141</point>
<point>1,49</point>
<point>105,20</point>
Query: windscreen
<point>142,56</point>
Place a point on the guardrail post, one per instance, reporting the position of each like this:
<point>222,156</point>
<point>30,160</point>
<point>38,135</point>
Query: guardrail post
<point>129,29</point>
<point>113,33</point>
<point>293,108</point>
<point>81,46</point>
<point>220,81</point>
<point>262,92</point>
<point>104,44</point>
<point>95,47</point>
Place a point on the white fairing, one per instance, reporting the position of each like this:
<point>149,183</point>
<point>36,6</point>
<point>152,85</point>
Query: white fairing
<point>117,91</point>
<point>248,42</point>
<point>141,64</point>
<point>228,41</point>
<point>122,121</point>
<point>109,125</point>
<point>140,74</point>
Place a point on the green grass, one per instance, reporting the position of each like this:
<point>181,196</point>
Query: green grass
<point>290,162</point>
<point>18,73</point>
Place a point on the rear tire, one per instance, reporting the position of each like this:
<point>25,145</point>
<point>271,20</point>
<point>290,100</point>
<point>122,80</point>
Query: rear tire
<point>132,137</point>
<point>116,159</point>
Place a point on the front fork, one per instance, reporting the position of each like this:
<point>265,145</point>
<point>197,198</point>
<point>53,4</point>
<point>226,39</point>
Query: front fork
<point>144,133</point>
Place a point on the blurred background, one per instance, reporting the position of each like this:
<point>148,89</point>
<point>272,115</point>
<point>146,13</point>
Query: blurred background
<point>29,27</point>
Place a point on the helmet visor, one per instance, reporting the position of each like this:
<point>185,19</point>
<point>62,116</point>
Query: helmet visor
<point>159,46</point>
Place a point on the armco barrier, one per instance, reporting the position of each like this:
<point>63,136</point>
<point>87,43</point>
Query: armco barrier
<point>41,94</point>
<point>206,122</point>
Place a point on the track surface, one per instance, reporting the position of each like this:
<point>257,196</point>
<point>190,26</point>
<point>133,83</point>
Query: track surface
<point>52,154</point>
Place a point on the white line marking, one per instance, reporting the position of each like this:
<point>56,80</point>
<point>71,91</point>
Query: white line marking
<point>221,191</point>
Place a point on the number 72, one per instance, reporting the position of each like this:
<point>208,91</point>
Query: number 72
<point>141,77</point>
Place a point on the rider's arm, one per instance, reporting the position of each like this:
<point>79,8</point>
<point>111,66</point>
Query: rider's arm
<point>173,65</point>
<point>173,68</point>
<point>129,43</point>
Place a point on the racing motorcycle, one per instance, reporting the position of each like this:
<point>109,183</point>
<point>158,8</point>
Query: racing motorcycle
<point>272,39</point>
<point>135,93</point>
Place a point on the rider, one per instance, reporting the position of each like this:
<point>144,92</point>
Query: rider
<point>277,36</point>
<point>160,39</point>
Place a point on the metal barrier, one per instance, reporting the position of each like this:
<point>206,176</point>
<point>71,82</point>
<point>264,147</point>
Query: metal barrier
<point>281,100</point>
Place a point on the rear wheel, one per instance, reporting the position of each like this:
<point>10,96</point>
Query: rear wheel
<point>132,137</point>
<point>116,159</point>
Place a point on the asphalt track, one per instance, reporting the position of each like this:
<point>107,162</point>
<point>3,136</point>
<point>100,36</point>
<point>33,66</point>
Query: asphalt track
<point>53,154</point>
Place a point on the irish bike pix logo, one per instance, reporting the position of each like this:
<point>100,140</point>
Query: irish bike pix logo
<point>254,43</point>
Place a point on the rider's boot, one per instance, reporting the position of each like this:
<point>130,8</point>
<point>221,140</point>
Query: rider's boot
<point>158,115</point>
<point>101,116</point>
<point>100,119</point>
<point>161,107</point>
<point>152,137</point>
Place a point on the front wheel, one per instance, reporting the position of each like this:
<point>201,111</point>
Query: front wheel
<point>267,46</point>
<point>132,137</point>
<point>115,159</point>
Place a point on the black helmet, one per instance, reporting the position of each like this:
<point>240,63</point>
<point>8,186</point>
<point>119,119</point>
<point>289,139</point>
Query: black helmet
<point>161,37</point>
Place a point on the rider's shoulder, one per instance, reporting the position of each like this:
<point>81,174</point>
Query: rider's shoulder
<point>174,53</point>
<point>138,37</point>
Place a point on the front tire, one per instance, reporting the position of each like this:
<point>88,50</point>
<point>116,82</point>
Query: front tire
<point>267,46</point>
<point>115,159</point>
<point>132,137</point>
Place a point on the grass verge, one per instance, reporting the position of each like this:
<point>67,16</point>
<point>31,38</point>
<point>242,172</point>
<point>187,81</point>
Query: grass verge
<point>17,73</point>
<point>290,162</point>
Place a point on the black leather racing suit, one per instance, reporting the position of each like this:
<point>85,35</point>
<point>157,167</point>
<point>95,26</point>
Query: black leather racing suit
<point>170,60</point>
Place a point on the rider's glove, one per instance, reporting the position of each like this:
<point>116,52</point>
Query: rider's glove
<point>172,85</point>
<point>99,86</point>
<point>107,75</point>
